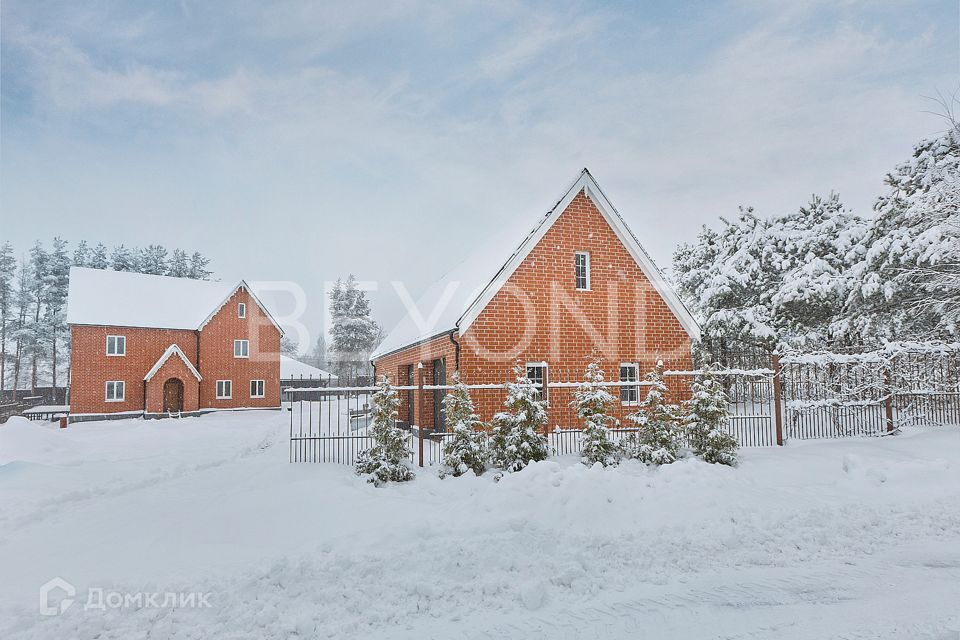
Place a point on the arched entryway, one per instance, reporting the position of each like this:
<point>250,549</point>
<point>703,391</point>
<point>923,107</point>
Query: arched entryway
<point>173,395</point>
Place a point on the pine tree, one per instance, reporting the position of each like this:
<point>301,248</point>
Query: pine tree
<point>592,403</point>
<point>179,266</point>
<point>657,438</point>
<point>99,258</point>
<point>122,259</point>
<point>388,460</point>
<point>54,320</point>
<point>22,332</point>
<point>198,267</point>
<point>37,337</point>
<point>8,272</point>
<point>705,416</point>
<point>353,330</point>
<point>516,439</point>
<point>153,260</point>
<point>466,449</point>
<point>81,255</point>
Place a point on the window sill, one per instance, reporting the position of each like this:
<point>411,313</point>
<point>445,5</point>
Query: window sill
<point>118,400</point>
<point>116,355</point>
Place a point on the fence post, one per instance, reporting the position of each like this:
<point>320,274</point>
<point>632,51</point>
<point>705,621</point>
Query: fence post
<point>420,403</point>
<point>888,400</point>
<point>777,411</point>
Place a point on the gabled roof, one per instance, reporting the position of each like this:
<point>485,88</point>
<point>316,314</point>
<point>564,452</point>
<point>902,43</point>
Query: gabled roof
<point>125,299</point>
<point>171,350</point>
<point>291,369</point>
<point>458,298</point>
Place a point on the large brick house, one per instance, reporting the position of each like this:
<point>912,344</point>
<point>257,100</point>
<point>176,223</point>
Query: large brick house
<point>156,345</point>
<point>578,285</point>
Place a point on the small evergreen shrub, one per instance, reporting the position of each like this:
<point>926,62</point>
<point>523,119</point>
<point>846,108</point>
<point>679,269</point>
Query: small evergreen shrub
<point>466,449</point>
<point>592,403</point>
<point>388,460</point>
<point>705,414</point>
<point>657,439</point>
<point>516,440</point>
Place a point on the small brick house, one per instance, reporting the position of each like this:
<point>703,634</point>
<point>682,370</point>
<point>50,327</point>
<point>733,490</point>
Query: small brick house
<point>155,345</point>
<point>578,285</point>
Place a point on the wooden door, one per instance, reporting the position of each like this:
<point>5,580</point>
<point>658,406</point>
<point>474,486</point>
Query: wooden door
<point>173,396</point>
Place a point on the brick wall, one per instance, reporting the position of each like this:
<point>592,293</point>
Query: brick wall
<point>539,315</point>
<point>217,361</point>
<point>91,367</point>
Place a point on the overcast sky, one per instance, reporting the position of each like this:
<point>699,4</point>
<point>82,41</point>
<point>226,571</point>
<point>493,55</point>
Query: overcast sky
<point>305,141</point>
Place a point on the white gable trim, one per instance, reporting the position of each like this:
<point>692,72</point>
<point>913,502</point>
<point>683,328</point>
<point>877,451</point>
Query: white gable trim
<point>586,183</point>
<point>171,350</point>
<point>242,285</point>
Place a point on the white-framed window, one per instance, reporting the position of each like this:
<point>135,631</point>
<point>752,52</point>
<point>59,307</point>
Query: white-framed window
<point>629,372</point>
<point>241,310</point>
<point>224,389</point>
<point>114,391</point>
<point>537,373</point>
<point>256,388</point>
<point>241,348</point>
<point>581,268</point>
<point>116,345</point>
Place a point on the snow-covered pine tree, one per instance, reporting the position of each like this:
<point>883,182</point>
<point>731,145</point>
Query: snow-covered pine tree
<point>99,258</point>
<point>907,282</point>
<point>657,439</point>
<point>153,260</point>
<point>466,449</point>
<point>22,331</point>
<point>179,265</point>
<point>198,267</point>
<point>517,440</point>
<point>353,331</point>
<point>37,334</point>
<point>81,255</point>
<point>123,259</point>
<point>55,304</point>
<point>8,272</point>
<point>592,403</point>
<point>705,416</point>
<point>388,460</point>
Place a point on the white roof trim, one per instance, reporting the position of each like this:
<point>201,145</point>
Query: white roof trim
<point>241,285</point>
<point>171,350</point>
<point>585,182</point>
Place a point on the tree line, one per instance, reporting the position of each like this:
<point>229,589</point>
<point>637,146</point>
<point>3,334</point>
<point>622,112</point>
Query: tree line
<point>822,277</point>
<point>34,340</point>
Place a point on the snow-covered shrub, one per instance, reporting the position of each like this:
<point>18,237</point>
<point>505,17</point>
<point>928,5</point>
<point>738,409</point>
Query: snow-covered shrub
<point>705,415</point>
<point>466,449</point>
<point>516,440</point>
<point>388,460</point>
<point>657,439</point>
<point>592,403</point>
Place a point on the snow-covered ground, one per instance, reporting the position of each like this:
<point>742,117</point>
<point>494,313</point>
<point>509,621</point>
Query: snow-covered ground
<point>849,539</point>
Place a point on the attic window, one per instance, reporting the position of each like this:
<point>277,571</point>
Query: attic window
<point>241,310</point>
<point>581,267</point>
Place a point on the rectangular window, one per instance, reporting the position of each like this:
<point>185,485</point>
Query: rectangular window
<point>241,348</point>
<point>256,388</point>
<point>241,310</point>
<point>224,389</point>
<point>537,372</point>
<point>628,373</point>
<point>114,391</point>
<point>116,346</point>
<point>581,267</point>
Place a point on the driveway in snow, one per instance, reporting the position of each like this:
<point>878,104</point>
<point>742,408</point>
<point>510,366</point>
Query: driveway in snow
<point>843,539</point>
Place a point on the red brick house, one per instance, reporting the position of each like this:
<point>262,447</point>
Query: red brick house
<point>578,284</point>
<point>155,345</point>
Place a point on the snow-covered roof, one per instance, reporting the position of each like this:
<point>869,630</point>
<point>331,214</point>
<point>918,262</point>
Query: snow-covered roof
<point>172,350</point>
<point>291,369</point>
<point>126,299</point>
<point>456,299</point>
